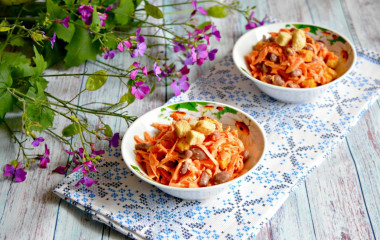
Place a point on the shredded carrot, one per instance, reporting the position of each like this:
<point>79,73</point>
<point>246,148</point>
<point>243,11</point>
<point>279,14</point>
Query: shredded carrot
<point>165,163</point>
<point>312,61</point>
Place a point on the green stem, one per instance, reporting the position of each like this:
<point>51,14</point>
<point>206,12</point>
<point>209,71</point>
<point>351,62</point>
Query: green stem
<point>19,143</point>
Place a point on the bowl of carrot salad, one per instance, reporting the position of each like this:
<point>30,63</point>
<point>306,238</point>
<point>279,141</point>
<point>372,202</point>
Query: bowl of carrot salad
<point>193,150</point>
<point>294,62</point>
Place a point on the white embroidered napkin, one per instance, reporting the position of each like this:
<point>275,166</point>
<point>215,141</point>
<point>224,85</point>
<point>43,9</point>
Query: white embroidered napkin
<point>299,137</point>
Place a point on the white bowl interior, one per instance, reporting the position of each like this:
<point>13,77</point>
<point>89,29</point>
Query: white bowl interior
<point>249,131</point>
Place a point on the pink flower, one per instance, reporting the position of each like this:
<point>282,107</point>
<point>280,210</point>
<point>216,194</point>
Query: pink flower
<point>52,40</point>
<point>44,159</point>
<point>17,173</point>
<point>140,90</point>
<point>140,50</point>
<point>110,54</point>
<point>62,169</point>
<point>103,17</point>
<point>114,141</point>
<point>180,85</point>
<point>216,33</point>
<point>65,21</point>
<point>86,181</point>
<point>37,141</point>
<point>86,167</point>
<point>157,71</point>
<point>85,12</point>
<point>197,9</point>
<point>211,54</point>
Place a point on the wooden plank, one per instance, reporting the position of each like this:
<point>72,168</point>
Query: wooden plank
<point>364,145</point>
<point>31,205</point>
<point>335,198</point>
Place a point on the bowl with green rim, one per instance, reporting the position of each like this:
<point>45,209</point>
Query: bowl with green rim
<point>334,41</point>
<point>249,131</point>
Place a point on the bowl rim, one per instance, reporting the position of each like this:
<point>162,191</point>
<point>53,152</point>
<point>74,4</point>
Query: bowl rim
<point>222,185</point>
<point>235,56</point>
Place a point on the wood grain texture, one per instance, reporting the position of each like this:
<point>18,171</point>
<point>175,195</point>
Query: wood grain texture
<point>340,200</point>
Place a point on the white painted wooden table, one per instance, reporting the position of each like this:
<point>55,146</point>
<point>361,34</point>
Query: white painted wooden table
<point>340,200</point>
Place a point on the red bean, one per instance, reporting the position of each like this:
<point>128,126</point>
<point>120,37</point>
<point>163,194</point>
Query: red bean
<point>266,69</point>
<point>277,80</point>
<point>293,85</point>
<point>221,177</point>
<point>186,154</point>
<point>204,179</point>
<point>184,167</point>
<point>268,78</point>
<point>198,154</point>
<point>296,72</point>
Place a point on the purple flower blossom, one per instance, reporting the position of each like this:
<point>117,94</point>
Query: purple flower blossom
<point>140,90</point>
<point>85,12</point>
<point>74,157</point>
<point>211,54</point>
<point>198,55</point>
<point>95,152</point>
<point>86,167</point>
<point>52,40</point>
<point>181,84</point>
<point>128,44</point>
<point>157,71</point>
<point>145,72</point>
<point>103,17</point>
<point>197,9</point>
<point>65,21</point>
<point>139,38</point>
<point>108,8</point>
<point>133,74</point>
<point>62,169</point>
<point>251,25</point>
<point>37,141</point>
<point>140,50</point>
<point>18,174</point>
<point>44,159</point>
<point>216,33</point>
<point>184,70</point>
<point>114,140</point>
<point>86,181</point>
<point>110,54</point>
<point>120,46</point>
<point>178,46</point>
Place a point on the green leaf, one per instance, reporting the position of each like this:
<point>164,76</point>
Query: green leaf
<point>108,131</point>
<point>14,163</point>
<point>6,99</point>
<point>337,39</point>
<point>17,42</point>
<point>66,34</point>
<point>204,24</point>
<point>128,97</point>
<point>39,61</point>
<point>191,106</point>
<point>313,29</point>
<point>56,12</point>
<point>37,114</point>
<point>18,63</point>
<point>217,12</point>
<point>70,130</point>
<point>97,80</point>
<point>4,29</point>
<point>225,110</point>
<point>95,25</point>
<point>80,48</point>
<point>69,2</point>
<point>153,11</point>
<point>122,13</point>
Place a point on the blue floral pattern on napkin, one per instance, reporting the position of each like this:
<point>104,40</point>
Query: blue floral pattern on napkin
<point>299,136</point>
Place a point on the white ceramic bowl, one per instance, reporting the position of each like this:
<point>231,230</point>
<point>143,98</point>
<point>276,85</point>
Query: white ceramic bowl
<point>334,41</point>
<point>252,136</point>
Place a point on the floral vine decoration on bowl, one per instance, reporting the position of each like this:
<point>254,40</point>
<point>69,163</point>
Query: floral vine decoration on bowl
<point>34,36</point>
